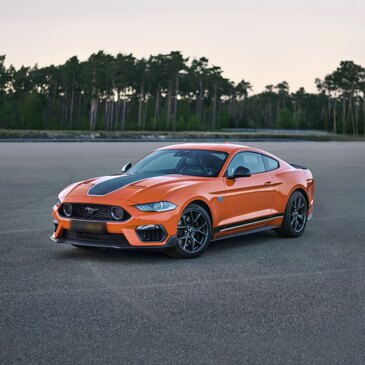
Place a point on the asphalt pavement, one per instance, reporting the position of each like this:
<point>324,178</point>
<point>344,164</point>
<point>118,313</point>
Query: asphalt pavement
<point>257,299</point>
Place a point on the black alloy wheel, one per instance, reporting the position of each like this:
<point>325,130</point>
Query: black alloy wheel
<point>295,217</point>
<point>298,213</point>
<point>194,231</point>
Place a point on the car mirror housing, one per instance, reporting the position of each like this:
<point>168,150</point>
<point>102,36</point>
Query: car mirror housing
<point>240,171</point>
<point>126,167</point>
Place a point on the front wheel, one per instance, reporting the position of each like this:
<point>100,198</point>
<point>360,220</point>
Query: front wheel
<point>194,230</point>
<point>295,217</point>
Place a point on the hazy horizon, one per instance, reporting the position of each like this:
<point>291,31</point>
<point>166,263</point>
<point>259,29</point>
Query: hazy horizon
<point>264,42</point>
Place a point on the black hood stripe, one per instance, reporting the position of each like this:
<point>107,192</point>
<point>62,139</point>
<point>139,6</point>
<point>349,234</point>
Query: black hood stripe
<point>111,185</point>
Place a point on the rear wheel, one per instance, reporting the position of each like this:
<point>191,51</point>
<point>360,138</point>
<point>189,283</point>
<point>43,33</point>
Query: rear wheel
<point>295,217</point>
<point>193,233</point>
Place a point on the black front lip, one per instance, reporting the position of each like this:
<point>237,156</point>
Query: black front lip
<point>172,241</point>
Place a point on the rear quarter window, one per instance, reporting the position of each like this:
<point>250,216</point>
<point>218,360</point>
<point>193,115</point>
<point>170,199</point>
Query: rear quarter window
<point>270,163</point>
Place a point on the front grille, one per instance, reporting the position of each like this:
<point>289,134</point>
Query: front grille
<point>156,234</point>
<point>96,212</point>
<point>99,238</point>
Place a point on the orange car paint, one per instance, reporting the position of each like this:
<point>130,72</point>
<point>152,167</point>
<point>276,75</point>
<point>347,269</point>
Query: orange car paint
<point>257,201</point>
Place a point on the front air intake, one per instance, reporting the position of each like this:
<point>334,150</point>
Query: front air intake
<point>151,233</point>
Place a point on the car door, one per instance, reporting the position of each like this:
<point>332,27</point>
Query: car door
<point>248,199</point>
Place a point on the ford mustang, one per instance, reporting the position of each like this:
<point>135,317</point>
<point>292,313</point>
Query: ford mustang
<point>181,197</point>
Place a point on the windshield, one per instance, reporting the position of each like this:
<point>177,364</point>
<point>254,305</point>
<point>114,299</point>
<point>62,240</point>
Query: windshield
<point>183,162</point>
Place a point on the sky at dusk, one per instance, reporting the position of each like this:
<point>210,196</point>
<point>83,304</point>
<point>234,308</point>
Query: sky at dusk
<point>264,42</point>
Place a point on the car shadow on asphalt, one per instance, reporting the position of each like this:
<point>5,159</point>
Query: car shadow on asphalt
<point>246,240</point>
<point>111,255</point>
<point>143,256</point>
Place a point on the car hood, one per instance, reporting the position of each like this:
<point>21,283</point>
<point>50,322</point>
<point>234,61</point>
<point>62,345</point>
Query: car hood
<point>135,188</point>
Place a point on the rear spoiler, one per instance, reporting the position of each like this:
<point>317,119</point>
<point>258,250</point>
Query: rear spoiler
<point>300,167</point>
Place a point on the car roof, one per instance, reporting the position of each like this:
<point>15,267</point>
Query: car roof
<point>224,147</point>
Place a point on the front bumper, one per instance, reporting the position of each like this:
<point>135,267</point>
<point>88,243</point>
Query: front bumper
<point>124,245</point>
<point>120,235</point>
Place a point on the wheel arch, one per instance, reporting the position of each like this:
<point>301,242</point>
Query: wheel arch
<point>302,190</point>
<point>202,204</point>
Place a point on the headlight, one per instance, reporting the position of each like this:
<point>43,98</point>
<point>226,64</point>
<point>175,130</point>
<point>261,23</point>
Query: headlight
<point>156,207</point>
<point>58,202</point>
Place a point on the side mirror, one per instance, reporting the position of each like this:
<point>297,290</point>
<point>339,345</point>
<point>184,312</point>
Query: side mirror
<point>240,171</point>
<point>126,167</point>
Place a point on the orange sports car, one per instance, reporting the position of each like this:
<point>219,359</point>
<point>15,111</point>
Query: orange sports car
<point>179,198</point>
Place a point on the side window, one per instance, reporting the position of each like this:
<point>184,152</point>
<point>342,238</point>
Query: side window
<point>253,161</point>
<point>270,163</point>
<point>236,161</point>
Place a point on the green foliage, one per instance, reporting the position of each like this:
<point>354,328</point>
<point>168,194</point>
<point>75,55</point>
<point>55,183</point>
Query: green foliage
<point>171,92</point>
<point>225,120</point>
<point>31,111</point>
<point>181,124</point>
<point>284,119</point>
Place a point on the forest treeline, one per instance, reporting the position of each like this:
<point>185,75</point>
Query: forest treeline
<point>171,92</point>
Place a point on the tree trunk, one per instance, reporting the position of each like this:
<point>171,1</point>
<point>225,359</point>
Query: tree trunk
<point>64,114</point>
<point>117,111</point>
<point>328,116</point>
<point>157,106</point>
<point>140,106</point>
<point>363,107</point>
<point>356,118</point>
<point>72,103</point>
<point>79,110</point>
<point>53,100</point>
<point>350,115</point>
<point>144,123</point>
<point>214,107</point>
<point>146,107</point>
<point>297,115</point>
<point>199,104</point>
<point>168,112</point>
<point>175,102</point>
<point>106,114</point>
<point>335,116</point>
<point>124,111</point>
<point>93,105</point>
<point>112,114</point>
<point>344,115</point>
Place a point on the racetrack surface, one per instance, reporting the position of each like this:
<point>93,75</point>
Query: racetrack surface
<point>257,299</point>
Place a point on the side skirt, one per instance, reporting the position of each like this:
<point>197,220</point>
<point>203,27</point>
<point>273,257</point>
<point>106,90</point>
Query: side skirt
<point>246,223</point>
<point>242,233</point>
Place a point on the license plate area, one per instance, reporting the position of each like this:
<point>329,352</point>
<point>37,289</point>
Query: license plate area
<point>88,227</point>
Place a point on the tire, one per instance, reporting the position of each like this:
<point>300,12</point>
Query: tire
<point>194,232</point>
<point>295,216</point>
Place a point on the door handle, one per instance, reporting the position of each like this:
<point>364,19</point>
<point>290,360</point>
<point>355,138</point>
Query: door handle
<point>269,183</point>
